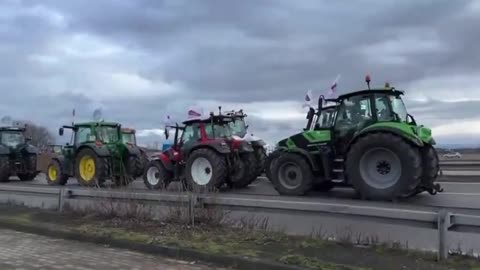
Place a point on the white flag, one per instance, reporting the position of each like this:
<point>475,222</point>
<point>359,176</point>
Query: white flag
<point>308,100</point>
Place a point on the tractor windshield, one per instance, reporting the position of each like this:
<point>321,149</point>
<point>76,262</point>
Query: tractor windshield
<point>221,130</point>
<point>129,138</point>
<point>107,134</point>
<point>238,127</point>
<point>390,108</point>
<point>12,138</point>
<point>326,118</point>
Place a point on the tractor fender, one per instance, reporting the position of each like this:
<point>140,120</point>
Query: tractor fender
<point>221,148</point>
<point>416,141</point>
<point>133,150</point>
<point>304,153</point>
<point>4,150</point>
<point>30,149</point>
<point>100,151</point>
<point>258,143</point>
<point>163,158</point>
<point>246,147</point>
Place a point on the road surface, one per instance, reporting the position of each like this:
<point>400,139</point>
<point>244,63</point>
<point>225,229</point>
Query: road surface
<point>32,252</point>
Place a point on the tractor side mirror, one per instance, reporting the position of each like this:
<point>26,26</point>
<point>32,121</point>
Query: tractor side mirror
<point>60,131</point>
<point>246,126</point>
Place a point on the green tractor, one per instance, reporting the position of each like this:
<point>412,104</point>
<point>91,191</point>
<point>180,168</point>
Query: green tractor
<point>129,138</point>
<point>97,153</point>
<point>17,156</point>
<point>371,144</point>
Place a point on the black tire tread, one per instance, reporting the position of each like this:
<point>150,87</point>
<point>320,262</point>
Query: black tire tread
<point>409,150</point>
<point>4,169</point>
<point>250,162</point>
<point>307,172</point>
<point>62,179</point>
<point>219,167</point>
<point>165,175</point>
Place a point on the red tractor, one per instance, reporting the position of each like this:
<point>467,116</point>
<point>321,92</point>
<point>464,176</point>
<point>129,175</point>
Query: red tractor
<point>204,157</point>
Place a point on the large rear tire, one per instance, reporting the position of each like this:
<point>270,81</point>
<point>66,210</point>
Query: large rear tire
<point>261,157</point>
<point>291,174</point>
<point>55,175</point>
<point>156,176</point>
<point>249,173</point>
<point>383,166</point>
<point>89,168</point>
<point>4,169</point>
<point>206,170</point>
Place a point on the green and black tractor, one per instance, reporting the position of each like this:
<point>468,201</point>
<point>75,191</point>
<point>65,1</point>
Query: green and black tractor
<point>96,153</point>
<point>17,156</point>
<point>367,140</point>
<point>129,137</point>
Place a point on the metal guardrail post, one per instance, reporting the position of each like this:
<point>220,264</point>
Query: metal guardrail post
<point>61,199</point>
<point>192,201</point>
<point>444,222</point>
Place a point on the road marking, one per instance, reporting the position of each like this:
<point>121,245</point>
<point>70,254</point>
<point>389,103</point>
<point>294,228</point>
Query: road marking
<point>460,193</point>
<point>458,183</point>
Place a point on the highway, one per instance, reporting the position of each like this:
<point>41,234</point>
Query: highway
<point>461,195</point>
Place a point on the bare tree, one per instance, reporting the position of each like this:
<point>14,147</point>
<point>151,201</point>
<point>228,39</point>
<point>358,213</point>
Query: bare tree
<point>40,136</point>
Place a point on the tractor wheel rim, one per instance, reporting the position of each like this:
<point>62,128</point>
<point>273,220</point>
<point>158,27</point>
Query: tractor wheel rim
<point>290,175</point>
<point>52,173</point>
<point>201,171</point>
<point>380,168</point>
<point>153,176</point>
<point>87,168</point>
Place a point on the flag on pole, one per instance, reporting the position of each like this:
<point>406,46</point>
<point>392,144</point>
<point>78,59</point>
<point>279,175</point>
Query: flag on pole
<point>194,113</point>
<point>308,99</point>
<point>333,87</point>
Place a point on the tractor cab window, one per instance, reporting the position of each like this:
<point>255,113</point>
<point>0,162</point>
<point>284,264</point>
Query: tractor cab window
<point>83,135</point>
<point>190,134</point>
<point>12,138</point>
<point>220,130</point>
<point>238,127</point>
<point>326,119</point>
<point>354,113</point>
<point>390,108</point>
<point>129,138</point>
<point>107,134</point>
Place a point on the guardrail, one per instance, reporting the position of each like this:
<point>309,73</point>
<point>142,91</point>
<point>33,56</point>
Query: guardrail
<point>442,221</point>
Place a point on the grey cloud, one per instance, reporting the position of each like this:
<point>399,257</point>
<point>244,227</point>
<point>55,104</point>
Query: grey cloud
<point>236,51</point>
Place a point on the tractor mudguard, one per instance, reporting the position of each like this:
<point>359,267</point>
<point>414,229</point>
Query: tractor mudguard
<point>304,153</point>
<point>133,150</point>
<point>397,131</point>
<point>258,143</point>
<point>101,151</point>
<point>221,148</point>
<point>246,147</point>
<point>4,150</point>
<point>163,158</point>
<point>30,149</point>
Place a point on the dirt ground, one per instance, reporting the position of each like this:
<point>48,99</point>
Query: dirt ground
<point>312,252</point>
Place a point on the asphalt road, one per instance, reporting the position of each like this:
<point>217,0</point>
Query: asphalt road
<point>459,197</point>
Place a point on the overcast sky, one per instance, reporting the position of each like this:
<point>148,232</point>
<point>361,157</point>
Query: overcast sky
<point>139,60</point>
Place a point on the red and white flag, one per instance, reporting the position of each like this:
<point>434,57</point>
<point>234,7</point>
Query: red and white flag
<point>333,87</point>
<point>308,100</point>
<point>194,113</point>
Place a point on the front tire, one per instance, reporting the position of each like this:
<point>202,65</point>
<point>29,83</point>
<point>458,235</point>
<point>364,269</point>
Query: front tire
<point>4,169</point>
<point>156,176</point>
<point>383,166</point>
<point>55,175</point>
<point>206,170</point>
<point>291,174</point>
<point>89,168</point>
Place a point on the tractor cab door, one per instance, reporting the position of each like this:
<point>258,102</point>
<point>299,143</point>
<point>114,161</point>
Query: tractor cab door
<point>190,137</point>
<point>353,115</point>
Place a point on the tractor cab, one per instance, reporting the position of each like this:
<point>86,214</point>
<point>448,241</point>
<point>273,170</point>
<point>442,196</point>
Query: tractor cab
<point>238,124</point>
<point>12,137</point>
<point>128,136</point>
